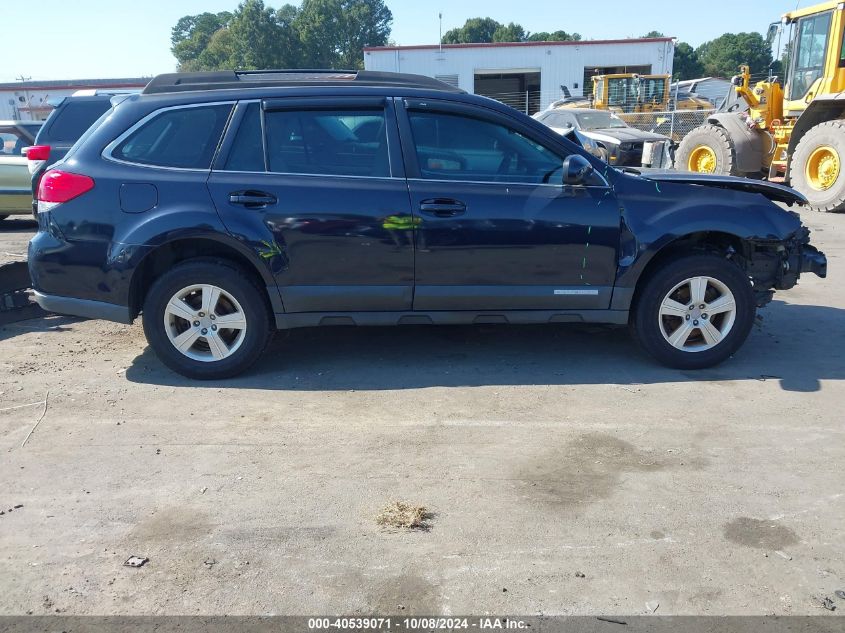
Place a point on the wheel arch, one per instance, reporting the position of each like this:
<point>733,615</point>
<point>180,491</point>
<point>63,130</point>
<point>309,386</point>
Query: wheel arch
<point>706,241</point>
<point>184,248</point>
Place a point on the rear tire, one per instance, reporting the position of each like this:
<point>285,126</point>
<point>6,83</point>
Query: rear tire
<point>182,311</point>
<point>816,168</point>
<point>708,149</point>
<point>669,323</point>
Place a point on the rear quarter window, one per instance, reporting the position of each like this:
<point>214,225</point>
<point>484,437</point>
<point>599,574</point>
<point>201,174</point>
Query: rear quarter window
<point>184,138</point>
<point>73,119</point>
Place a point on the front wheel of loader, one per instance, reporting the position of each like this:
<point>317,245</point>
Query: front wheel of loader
<point>816,168</point>
<point>708,149</point>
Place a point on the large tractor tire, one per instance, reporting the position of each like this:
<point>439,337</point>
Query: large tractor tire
<point>816,168</point>
<point>708,149</point>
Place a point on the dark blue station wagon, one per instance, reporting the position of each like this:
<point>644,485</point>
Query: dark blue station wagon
<point>221,206</point>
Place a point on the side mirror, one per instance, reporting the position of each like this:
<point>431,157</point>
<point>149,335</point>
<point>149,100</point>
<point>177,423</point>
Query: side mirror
<point>576,170</point>
<point>772,33</point>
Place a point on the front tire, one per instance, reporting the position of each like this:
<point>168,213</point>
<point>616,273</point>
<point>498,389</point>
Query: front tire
<point>708,149</point>
<point>694,312</point>
<point>816,168</point>
<point>206,320</point>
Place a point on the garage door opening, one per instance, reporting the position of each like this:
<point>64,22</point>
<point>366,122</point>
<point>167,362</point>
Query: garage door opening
<point>518,89</point>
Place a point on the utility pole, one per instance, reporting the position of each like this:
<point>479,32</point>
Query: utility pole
<point>23,80</point>
<point>440,17</point>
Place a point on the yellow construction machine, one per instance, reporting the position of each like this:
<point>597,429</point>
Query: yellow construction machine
<point>629,93</point>
<point>790,131</point>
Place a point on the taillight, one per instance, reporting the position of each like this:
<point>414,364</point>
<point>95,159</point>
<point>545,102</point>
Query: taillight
<point>58,186</point>
<point>37,152</point>
<point>36,156</point>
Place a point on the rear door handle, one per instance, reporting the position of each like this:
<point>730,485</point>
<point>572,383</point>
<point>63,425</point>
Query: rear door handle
<point>443,207</point>
<point>252,199</point>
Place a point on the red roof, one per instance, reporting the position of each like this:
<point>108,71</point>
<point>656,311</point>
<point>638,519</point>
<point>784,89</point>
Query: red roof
<point>640,40</point>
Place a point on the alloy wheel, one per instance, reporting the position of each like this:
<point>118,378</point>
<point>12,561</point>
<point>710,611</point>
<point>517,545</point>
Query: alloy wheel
<point>205,323</point>
<point>697,314</point>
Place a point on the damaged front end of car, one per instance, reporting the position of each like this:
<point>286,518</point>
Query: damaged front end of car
<point>777,264</point>
<point>743,220</point>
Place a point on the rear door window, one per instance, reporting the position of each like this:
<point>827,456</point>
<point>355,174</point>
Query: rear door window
<point>184,138</point>
<point>328,142</point>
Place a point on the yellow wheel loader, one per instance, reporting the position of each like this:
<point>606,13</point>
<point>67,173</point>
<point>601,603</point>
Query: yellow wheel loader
<point>631,93</point>
<point>792,131</point>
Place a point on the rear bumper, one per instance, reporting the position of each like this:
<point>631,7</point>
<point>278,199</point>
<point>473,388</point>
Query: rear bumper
<point>87,308</point>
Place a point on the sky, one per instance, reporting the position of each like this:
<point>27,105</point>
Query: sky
<point>82,39</point>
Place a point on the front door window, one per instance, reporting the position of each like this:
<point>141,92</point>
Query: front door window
<point>455,147</point>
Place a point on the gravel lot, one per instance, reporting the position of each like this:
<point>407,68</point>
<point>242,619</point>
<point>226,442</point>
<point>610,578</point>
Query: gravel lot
<point>544,454</point>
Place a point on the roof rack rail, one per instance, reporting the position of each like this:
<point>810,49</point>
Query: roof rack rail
<point>97,92</point>
<point>228,79</point>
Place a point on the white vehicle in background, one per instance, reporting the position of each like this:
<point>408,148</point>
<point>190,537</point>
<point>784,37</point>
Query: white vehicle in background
<point>15,180</point>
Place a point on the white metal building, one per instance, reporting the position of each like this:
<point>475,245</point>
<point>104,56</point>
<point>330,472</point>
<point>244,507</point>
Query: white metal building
<point>526,75</point>
<point>30,100</point>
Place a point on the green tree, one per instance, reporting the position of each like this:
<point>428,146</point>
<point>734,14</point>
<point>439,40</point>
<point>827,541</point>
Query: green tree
<point>365,23</point>
<point>218,54</point>
<point>256,37</point>
<point>192,35</point>
<point>290,43</point>
<point>334,33</point>
<point>556,36</point>
<point>485,30</point>
<point>510,33</point>
<point>474,31</point>
<point>317,24</point>
<point>686,63</point>
<point>651,34</point>
<point>322,34</point>
<point>723,56</point>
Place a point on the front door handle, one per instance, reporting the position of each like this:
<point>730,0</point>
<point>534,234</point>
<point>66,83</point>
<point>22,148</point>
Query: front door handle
<point>252,199</point>
<point>443,207</point>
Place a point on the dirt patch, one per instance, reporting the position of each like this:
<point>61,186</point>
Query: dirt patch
<point>590,468</point>
<point>760,533</point>
<point>404,595</point>
<point>173,525</point>
<point>404,516</point>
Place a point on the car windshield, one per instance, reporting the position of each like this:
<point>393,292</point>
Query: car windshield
<point>597,120</point>
<point>555,119</point>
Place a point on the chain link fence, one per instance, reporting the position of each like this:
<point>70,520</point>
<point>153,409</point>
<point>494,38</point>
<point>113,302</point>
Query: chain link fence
<point>674,124</point>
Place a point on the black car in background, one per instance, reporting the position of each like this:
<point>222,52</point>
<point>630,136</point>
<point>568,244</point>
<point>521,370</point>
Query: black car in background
<point>70,118</point>
<point>224,205</point>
